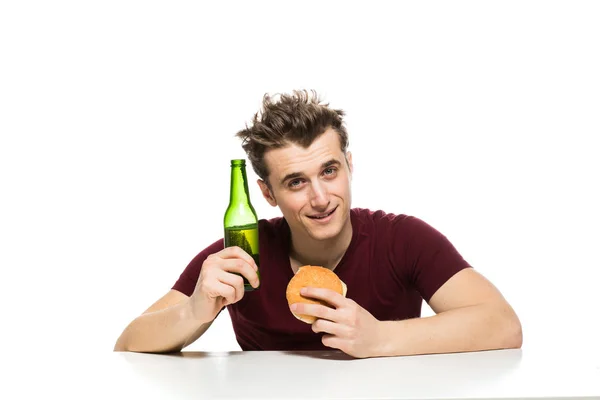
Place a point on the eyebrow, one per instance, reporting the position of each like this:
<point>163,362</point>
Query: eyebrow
<point>294,175</point>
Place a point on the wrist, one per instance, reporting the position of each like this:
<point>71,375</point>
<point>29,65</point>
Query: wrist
<point>381,340</point>
<point>387,339</point>
<point>195,310</point>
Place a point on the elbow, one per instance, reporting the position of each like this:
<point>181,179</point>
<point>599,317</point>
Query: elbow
<point>517,336</point>
<point>503,328</point>
<point>514,338</point>
<point>118,348</point>
<point>124,341</point>
<point>120,345</point>
<point>513,332</point>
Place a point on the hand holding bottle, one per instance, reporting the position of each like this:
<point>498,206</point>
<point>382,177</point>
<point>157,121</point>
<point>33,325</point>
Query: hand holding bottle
<point>221,282</point>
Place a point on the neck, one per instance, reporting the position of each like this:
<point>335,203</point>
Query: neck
<point>326,253</point>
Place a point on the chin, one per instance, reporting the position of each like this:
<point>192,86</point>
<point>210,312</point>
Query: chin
<point>324,233</point>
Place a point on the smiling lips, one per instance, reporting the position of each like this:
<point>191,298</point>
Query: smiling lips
<point>323,215</point>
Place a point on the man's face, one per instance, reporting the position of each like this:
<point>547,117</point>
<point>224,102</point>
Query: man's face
<point>311,186</point>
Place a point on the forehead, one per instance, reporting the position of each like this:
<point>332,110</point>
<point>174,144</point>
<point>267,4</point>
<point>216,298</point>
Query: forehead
<point>297,159</point>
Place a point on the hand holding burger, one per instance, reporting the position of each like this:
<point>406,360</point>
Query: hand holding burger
<point>312,276</point>
<point>317,296</point>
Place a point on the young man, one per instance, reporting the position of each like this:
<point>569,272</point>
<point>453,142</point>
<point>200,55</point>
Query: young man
<point>390,263</point>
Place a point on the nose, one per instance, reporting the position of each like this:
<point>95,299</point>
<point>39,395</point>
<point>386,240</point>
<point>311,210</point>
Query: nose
<point>318,197</point>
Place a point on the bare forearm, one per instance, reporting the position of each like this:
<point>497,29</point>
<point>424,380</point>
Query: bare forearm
<point>474,328</point>
<point>162,331</point>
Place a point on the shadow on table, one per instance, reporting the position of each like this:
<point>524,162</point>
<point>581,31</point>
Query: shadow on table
<point>322,355</point>
<point>315,354</point>
<point>201,354</point>
<point>318,354</point>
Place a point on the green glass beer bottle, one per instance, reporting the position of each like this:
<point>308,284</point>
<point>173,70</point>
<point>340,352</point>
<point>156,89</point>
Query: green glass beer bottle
<point>240,221</point>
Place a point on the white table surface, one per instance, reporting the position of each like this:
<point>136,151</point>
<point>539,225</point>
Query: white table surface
<point>503,374</point>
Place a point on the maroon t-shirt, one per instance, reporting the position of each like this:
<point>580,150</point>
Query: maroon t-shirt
<point>392,264</point>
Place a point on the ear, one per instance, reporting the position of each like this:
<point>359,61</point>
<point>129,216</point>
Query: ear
<point>266,192</point>
<point>349,160</point>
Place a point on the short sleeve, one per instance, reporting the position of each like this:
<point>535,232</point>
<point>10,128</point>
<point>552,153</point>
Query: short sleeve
<point>430,257</point>
<point>188,278</point>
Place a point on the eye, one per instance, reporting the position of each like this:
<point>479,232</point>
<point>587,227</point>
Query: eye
<point>293,184</point>
<point>331,171</point>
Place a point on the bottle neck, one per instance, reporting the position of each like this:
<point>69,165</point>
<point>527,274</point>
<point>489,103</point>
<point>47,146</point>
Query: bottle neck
<point>239,185</point>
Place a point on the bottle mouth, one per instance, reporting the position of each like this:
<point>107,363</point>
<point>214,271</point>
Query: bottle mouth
<point>238,162</point>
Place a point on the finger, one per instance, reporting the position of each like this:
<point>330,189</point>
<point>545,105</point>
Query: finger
<point>329,327</point>
<point>326,295</point>
<point>235,281</point>
<point>240,266</point>
<point>238,252</point>
<point>225,291</point>
<point>333,341</point>
<point>316,310</point>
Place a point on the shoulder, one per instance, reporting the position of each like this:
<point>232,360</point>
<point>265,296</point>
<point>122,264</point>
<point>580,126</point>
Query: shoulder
<point>402,226</point>
<point>382,219</point>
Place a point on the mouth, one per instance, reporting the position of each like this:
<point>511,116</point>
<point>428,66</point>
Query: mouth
<point>322,216</point>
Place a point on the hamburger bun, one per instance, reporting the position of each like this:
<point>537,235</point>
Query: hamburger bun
<point>314,276</point>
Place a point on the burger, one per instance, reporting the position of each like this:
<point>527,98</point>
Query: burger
<point>313,276</point>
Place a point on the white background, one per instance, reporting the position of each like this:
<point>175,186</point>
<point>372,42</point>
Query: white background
<point>117,121</point>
